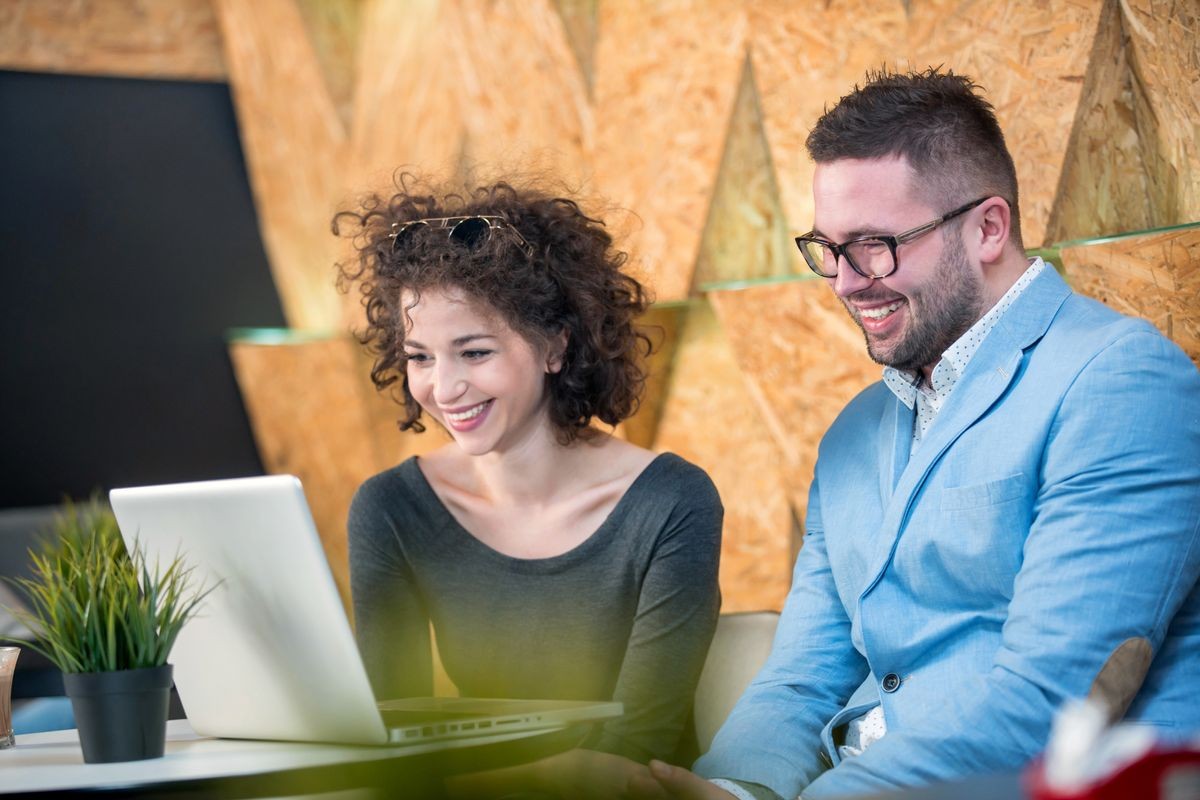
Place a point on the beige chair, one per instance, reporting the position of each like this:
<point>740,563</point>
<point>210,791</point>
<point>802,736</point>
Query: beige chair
<point>739,649</point>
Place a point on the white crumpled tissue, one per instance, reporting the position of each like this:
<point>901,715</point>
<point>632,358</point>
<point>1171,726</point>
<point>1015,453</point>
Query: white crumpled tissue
<point>1084,749</point>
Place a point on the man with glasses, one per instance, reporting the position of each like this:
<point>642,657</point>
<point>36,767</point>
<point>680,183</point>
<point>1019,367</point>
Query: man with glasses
<point>1009,519</point>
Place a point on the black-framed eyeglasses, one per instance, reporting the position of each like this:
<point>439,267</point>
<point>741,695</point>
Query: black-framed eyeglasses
<point>870,256</point>
<point>471,231</point>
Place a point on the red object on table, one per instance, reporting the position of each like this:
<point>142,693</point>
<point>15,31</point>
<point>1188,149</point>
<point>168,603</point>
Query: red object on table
<point>1161,774</point>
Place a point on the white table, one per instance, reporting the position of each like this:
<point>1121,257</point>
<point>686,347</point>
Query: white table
<point>51,764</point>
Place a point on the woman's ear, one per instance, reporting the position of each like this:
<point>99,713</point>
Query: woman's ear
<point>556,352</point>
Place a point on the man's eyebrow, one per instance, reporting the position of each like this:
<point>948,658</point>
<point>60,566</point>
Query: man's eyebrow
<point>857,233</point>
<point>459,342</point>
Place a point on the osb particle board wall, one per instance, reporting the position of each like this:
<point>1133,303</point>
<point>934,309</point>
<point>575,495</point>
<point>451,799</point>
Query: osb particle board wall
<point>692,115</point>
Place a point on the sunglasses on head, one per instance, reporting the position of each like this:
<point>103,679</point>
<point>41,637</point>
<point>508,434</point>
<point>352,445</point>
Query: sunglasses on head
<point>471,231</point>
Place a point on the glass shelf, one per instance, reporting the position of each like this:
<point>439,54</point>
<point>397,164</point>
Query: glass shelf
<point>1050,253</point>
<point>1116,237</point>
<point>722,286</point>
<point>278,336</point>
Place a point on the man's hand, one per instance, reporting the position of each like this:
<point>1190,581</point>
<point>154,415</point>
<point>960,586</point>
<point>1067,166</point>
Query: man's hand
<point>676,783</point>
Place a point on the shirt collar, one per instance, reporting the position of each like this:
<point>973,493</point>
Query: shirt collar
<point>903,383</point>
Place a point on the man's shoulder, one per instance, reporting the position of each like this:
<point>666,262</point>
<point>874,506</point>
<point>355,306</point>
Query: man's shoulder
<point>868,404</point>
<point>1084,328</point>
<point>1083,316</point>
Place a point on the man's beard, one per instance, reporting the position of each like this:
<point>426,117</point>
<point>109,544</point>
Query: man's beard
<point>940,312</point>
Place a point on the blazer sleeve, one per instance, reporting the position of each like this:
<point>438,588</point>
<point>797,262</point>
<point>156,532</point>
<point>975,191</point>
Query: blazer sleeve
<point>1112,553</point>
<point>772,736</point>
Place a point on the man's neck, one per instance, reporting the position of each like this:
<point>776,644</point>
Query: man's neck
<point>925,375</point>
<point>998,279</point>
<point>999,276</point>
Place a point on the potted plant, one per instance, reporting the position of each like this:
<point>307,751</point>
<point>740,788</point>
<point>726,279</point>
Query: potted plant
<point>108,621</point>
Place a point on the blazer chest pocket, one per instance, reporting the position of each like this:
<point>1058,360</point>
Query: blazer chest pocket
<point>983,495</point>
<point>977,548</point>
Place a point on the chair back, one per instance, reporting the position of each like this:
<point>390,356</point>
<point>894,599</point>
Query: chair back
<point>739,649</point>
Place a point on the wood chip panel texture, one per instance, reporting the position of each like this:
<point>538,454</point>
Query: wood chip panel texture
<point>662,326</point>
<point>746,234</point>
<point>711,419</point>
<point>309,419</point>
<point>1031,57</point>
<point>526,107</point>
<point>296,147</point>
<point>407,111</point>
<point>1103,188</point>
<point>1164,42</point>
<point>1155,276</point>
<point>177,40</point>
<point>443,92</point>
<point>333,28</point>
<point>580,23</point>
<point>666,77</point>
<point>804,359</point>
<point>805,57</point>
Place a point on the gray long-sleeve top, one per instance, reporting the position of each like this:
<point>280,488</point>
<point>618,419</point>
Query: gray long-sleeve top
<point>626,615</point>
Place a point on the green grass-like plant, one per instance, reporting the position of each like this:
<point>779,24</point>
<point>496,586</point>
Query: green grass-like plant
<point>86,605</point>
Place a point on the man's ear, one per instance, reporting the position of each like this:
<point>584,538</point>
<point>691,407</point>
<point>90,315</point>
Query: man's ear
<point>556,352</point>
<point>995,225</point>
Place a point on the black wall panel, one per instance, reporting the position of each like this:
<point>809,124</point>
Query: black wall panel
<point>128,247</point>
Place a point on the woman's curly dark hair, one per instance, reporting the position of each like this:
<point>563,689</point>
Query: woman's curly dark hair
<point>568,279</point>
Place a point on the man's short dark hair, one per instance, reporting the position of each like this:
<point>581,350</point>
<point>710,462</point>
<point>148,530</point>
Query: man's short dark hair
<point>939,121</point>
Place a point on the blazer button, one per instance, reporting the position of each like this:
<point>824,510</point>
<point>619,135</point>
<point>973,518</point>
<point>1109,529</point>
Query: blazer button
<point>891,682</point>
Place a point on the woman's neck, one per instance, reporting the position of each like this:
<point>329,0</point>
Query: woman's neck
<point>531,473</point>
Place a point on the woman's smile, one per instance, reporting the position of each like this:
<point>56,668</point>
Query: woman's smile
<point>466,418</point>
<point>473,373</point>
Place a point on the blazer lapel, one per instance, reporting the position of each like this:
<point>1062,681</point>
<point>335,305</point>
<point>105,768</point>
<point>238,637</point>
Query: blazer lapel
<point>989,373</point>
<point>895,444</point>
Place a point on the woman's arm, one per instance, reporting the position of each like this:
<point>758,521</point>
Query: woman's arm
<point>674,623</point>
<point>390,620</point>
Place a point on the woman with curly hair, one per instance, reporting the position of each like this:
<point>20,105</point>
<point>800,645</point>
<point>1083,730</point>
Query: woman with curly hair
<point>553,559</point>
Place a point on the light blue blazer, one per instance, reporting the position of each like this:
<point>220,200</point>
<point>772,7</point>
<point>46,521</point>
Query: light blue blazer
<point>1047,527</point>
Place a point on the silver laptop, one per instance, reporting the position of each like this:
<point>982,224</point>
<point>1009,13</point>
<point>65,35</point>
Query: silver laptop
<point>271,654</point>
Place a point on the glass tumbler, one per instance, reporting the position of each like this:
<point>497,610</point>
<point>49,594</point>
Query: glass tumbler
<point>8,663</point>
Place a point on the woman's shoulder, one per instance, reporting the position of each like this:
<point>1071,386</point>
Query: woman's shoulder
<point>673,475</point>
<point>664,470</point>
<point>391,480</point>
<point>398,491</point>
<point>674,497</point>
<point>678,502</point>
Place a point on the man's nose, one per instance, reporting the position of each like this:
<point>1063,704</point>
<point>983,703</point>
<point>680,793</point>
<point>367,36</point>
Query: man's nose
<point>848,281</point>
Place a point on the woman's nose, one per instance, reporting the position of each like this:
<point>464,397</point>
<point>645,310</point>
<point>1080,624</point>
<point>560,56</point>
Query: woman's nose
<point>449,382</point>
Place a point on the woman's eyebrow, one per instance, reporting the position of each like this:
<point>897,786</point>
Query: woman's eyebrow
<point>471,337</point>
<point>459,342</point>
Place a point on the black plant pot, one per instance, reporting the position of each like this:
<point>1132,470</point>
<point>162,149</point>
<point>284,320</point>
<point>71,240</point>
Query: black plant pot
<point>121,716</point>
